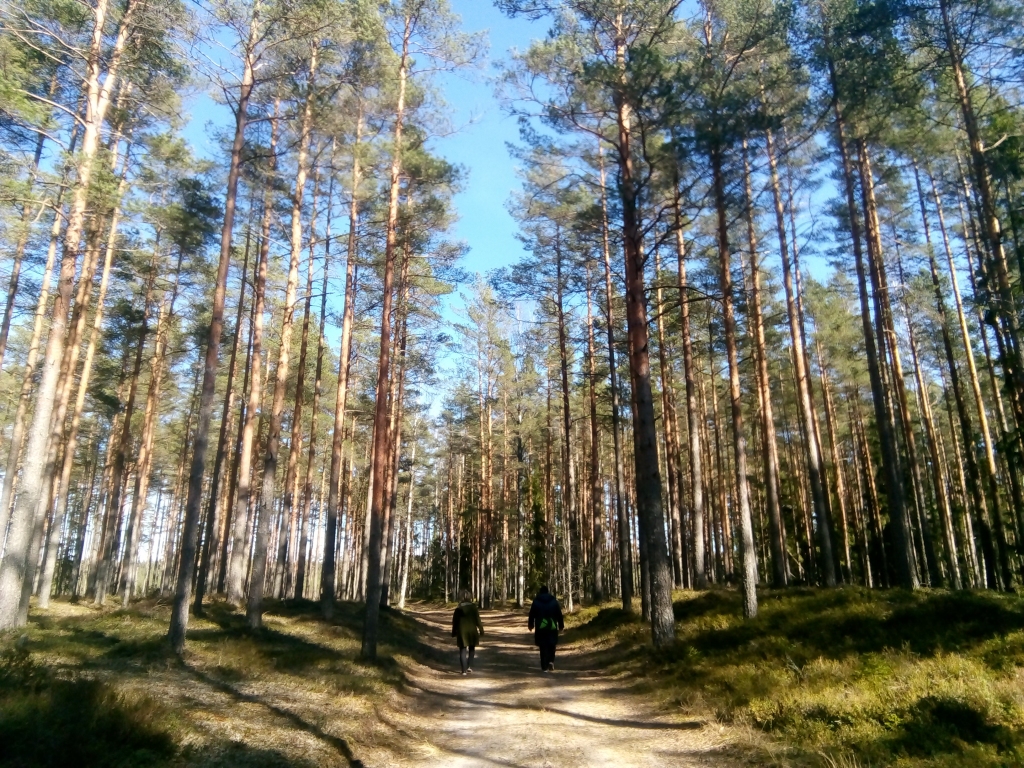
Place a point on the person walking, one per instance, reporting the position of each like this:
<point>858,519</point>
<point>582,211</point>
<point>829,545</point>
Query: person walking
<point>546,621</point>
<point>467,629</point>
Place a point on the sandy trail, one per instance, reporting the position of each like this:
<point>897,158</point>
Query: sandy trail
<point>509,713</point>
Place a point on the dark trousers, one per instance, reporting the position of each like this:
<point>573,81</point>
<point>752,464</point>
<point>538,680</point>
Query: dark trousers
<point>466,657</point>
<point>547,644</point>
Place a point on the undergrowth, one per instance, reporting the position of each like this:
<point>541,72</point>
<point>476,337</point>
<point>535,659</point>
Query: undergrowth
<point>85,687</point>
<point>854,677</point>
<point>47,720</point>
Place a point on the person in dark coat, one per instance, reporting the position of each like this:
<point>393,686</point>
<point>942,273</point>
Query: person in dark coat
<point>467,629</point>
<point>546,622</point>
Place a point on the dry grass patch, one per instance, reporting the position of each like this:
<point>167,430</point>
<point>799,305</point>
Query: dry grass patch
<point>292,694</point>
<point>847,677</point>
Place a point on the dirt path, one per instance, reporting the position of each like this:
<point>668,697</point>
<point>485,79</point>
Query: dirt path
<point>508,713</point>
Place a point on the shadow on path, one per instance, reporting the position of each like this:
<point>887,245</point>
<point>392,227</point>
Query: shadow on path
<point>508,713</point>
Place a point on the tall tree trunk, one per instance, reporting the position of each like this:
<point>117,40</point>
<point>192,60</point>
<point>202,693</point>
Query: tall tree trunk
<point>28,378</point>
<point>307,486</point>
<point>987,469</point>
<point>291,512</point>
<point>19,249</point>
<point>625,547</point>
<point>193,499</point>
<point>568,473</point>
<point>770,453</point>
<point>837,463</point>
<point>815,467</point>
<point>672,454</point>
<point>894,483</point>
<point>748,572</point>
<point>941,496</point>
<point>692,412</point>
<point>885,327</point>
<point>381,447</point>
<point>145,458</point>
<point>250,427</point>
<point>50,557</point>
<point>596,486</point>
<point>645,436</point>
<point>120,459</point>
<point>406,555</point>
<point>1002,299</point>
<point>212,513</point>
<point>37,471</point>
<point>327,583</point>
<point>254,603</point>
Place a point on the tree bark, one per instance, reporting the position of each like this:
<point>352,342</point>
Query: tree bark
<point>193,499</point>
<point>381,447</point>
<point>748,572</point>
<point>24,531</point>
<point>770,452</point>
<point>815,467</point>
<point>894,483</point>
<point>327,583</point>
<point>700,577</point>
<point>50,557</point>
<point>209,546</point>
<point>596,486</point>
<point>645,436</point>
<point>625,547</point>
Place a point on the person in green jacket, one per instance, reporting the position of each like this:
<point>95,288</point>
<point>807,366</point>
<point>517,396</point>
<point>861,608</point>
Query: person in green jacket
<point>467,629</point>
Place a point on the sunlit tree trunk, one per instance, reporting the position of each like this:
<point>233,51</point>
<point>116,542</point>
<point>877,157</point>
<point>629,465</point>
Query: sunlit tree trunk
<point>675,491</point>
<point>50,557</point>
<point>692,413</point>
<point>190,532</point>
<point>815,468</point>
<point>625,548</point>
<point>894,483</point>
<point>645,437</point>
<point>212,509</point>
<point>596,486</point>
<point>120,458</point>
<point>381,448</point>
<point>770,452</point>
<point>254,602</point>
<point>38,468</point>
<point>327,583</point>
<point>748,571</point>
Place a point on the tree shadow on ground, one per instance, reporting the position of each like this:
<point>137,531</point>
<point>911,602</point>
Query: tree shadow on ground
<point>234,754</point>
<point>47,720</point>
<point>339,744</point>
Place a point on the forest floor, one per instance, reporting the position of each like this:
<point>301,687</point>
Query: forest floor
<point>841,679</point>
<point>86,687</point>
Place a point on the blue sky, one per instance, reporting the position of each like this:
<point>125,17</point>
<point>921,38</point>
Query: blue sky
<point>480,146</point>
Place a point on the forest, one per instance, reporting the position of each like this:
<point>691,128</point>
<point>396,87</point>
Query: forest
<point>762,337</point>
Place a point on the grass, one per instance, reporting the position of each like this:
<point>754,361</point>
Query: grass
<point>102,688</point>
<point>846,677</point>
<point>46,720</point>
